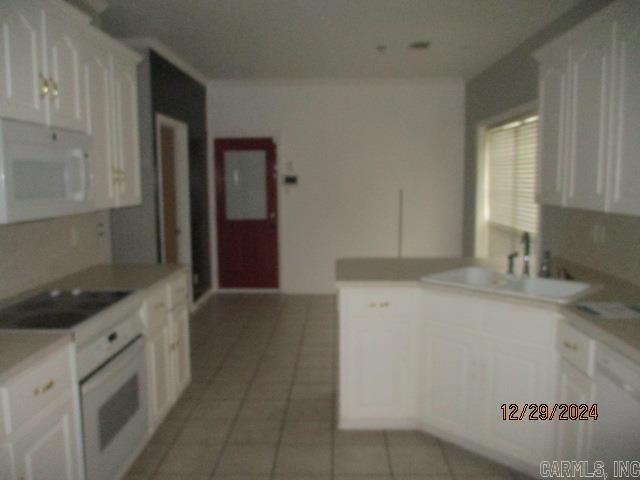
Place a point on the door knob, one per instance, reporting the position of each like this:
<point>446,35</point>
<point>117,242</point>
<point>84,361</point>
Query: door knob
<point>272,218</point>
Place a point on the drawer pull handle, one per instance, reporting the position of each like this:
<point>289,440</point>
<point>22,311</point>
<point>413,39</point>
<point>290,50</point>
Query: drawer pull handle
<point>379,304</point>
<point>45,388</point>
<point>570,346</point>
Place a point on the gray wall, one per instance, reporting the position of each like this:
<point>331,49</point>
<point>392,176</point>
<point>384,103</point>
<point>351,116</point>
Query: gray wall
<point>510,83</point>
<point>134,230</point>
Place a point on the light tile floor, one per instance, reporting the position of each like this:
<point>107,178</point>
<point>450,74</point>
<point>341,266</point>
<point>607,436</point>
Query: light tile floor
<point>261,406</point>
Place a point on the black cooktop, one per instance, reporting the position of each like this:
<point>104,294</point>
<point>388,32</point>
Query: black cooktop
<point>58,309</point>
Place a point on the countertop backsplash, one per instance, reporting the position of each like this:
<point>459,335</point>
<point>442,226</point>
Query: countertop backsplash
<point>33,253</point>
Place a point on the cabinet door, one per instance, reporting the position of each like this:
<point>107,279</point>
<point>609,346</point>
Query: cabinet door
<point>21,57</point>
<point>379,370</point>
<point>49,449</point>
<point>590,77</point>
<point>181,362</point>
<point>625,178</point>
<point>7,470</point>
<point>454,381</point>
<point>63,72</point>
<point>159,374</point>
<point>521,375</point>
<point>553,91</point>
<point>573,436</point>
<point>96,73</point>
<point>126,127</point>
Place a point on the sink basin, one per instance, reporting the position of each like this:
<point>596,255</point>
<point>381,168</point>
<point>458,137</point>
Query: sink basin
<point>559,291</point>
<point>482,279</point>
<point>468,276</point>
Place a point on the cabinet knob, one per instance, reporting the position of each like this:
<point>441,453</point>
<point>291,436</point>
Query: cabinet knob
<point>570,346</point>
<point>44,86</point>
<point>45,388</point>
<point>54,87</point>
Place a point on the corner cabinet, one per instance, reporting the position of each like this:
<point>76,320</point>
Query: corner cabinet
<point>589,112</point>
<point>63,72</point>
<point>379,357</point>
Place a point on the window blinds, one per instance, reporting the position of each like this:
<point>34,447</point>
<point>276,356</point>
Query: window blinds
<point>511,152</point>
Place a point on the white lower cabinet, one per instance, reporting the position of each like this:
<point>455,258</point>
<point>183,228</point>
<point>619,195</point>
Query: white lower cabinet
<point>49,449</point>
<point>573,437</point>
<point>167,347</point>
<point>41,435</point>
<point>379,360</point>
<point>447,362</point>
<point>523,375</point>
<point>180,355</point>
<point>159,372</point>
<point>455,366</point>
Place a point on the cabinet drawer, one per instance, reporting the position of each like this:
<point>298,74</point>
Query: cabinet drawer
<point>28,393</point>
<point>577,348</point>
<point>380,301</point>
<point>177,292</point>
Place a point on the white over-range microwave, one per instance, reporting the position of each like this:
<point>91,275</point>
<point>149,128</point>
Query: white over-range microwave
<point>44,172</point>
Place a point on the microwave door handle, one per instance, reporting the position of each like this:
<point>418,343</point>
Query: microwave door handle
<point>78,192</point>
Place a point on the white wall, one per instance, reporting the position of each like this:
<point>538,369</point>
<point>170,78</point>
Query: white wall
<point>34,253</point>
<point>354,145</point>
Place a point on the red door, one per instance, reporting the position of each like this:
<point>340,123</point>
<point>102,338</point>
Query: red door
<point>247,212</point>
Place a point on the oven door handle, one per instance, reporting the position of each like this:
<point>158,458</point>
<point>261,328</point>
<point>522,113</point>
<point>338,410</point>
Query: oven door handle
<point>113,367</point>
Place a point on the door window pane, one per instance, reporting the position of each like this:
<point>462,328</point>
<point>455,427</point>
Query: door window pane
<point>245,185</point>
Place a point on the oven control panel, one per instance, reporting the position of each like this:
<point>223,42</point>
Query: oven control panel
<point>105,346</point>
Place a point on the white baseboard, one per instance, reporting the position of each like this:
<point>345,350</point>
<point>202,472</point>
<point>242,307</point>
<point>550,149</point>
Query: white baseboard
<point>379,424</point>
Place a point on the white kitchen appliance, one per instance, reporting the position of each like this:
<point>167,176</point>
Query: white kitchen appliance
<point>44,172</point>
<point>616,432</point>
<point>107,329</point>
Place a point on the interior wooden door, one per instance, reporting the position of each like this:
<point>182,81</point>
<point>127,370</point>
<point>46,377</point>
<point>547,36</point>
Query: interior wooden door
<point>246,193</point>
<point>170,229</point>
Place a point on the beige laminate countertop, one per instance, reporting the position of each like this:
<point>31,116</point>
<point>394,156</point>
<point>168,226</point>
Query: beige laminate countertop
<point>19,349</point>
<point>622,335</point>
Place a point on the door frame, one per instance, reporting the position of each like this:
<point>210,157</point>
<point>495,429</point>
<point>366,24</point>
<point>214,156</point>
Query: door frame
<point>183,192</point>
<point>248,135</point>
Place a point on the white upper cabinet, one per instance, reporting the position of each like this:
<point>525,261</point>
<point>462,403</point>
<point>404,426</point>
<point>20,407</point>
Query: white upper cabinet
<point>96,72</point>
<point>63,67</point>
<point>590,60</point>
<point>58,70</point>
<point>625,179</point>
<point>126,167</point>
<point>553,87</point>
<point>590,110</point>
<point>23,86</point>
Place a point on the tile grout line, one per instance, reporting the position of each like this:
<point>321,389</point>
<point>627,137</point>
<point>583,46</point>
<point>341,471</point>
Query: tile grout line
<point>272,474</point>
<point>445,455</point>
<point>234,422</point>
<point>226,355</point>
<point>388,450</point>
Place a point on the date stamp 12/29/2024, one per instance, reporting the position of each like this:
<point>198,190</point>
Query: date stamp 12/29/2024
<point>547,411</point>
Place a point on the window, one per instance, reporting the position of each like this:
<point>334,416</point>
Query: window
<point>511,174</point>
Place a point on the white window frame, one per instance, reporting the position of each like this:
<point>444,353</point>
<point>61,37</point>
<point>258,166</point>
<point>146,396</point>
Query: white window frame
<point>481,244</point>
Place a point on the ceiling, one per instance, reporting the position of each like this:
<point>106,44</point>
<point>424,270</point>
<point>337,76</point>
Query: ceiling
<point>298,39</point>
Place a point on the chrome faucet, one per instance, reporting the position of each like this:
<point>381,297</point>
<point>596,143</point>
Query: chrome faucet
<point>526,242</point>
<point>511,258</point>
